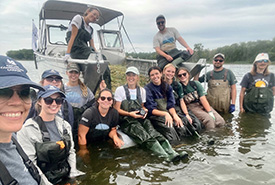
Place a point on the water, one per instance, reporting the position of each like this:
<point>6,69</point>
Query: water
<point>242,153</point>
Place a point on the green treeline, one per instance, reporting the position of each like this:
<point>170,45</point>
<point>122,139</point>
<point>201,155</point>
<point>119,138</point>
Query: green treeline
<point>244,52</point>
<point>22,54</point>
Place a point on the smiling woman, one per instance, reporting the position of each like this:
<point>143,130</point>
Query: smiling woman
<point>15,102</point>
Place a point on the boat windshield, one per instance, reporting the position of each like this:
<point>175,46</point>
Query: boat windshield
<point>111,40</point>
<point>57,35</point>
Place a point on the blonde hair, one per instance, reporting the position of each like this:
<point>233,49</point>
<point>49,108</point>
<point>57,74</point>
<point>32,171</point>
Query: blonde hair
<point>254,68</point>
<point>83,88</point>
<point>165,67</point>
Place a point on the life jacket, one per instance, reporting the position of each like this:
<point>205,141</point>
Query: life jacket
<point>80,48</point>
<point>192,97</point>
<point>258,99</point>
<point>52,157</point>
<point>7,179</point>
<point>219,93</point>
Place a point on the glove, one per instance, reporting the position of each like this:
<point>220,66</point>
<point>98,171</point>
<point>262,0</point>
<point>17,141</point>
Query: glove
<point>212,115</point>
<point>231,108</point>
<point>67,56</point>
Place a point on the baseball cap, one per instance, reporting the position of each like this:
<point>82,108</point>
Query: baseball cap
<point>219,55</point>
<point>262,56</point>
<point>51,72</point>
<point>160,17</point>
<point>49,90</point>
<point>132,69</point>
<point>73,67</point>
<point>13,73</point>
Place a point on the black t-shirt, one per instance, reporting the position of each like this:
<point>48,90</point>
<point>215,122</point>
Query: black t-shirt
<point>91,118</point>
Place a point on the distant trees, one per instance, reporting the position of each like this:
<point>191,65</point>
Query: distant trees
<point>22,54</point>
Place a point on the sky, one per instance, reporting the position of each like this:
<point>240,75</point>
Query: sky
<point>213,23</point>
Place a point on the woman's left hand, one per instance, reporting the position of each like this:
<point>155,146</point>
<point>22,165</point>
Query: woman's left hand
<point>178,121</point>
<point>189,118</point>
<point>118,142</point>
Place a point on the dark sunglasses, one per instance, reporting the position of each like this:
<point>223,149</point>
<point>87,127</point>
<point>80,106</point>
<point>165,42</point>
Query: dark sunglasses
<point>160,22</point>
<point>103,98</point>
<point>50,100</point>
<point>183,74</point>
<point>7,93</point>
<point>218,60</point>
<point>51,79</point>
<point>260,61</point>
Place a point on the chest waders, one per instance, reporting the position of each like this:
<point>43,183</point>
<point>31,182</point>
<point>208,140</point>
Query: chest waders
<point>52,157</point>
<point>7,179</point>
<point>192,97</point>
<point>142,131</point>
<point>219,93</point>
<point>258,99</point>
<point>80,48</point>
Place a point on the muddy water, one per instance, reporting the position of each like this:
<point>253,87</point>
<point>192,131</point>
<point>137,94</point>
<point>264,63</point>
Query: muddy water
<point>240,153</point>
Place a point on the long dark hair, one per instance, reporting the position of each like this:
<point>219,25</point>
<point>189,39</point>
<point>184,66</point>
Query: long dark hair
<point>164,85</point>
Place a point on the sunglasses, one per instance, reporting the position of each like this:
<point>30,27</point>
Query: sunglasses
<point>103,98</point>
<point>183,74</point>
<point>260,61</point>
<point>218,60</point>
<point>51,79</point>
<point>50,100</point>
<point>160,22</point>
<point>24,94</point>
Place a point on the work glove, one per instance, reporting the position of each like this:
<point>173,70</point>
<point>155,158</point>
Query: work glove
<point>212,115</point>
<point>67,56</point>
<point>231,108</point>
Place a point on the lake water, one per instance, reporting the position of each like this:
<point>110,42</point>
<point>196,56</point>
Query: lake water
<point>242,153</point>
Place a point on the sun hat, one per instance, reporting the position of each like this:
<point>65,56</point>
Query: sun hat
<point>262,56</point>
<point>73,67</point>
<point>132,69</point>
<point>49,90</point>
<point>51,72</point>
<point>219,55</point>
<point>13,73</point>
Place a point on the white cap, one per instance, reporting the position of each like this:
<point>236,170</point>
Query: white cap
<point>219,54</point>
<point>132,69</point>
<point>262,56</point>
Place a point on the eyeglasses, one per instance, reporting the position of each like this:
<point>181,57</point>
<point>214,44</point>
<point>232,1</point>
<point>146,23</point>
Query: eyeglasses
<point>50,100</point>
<point>51,79</point>
<point>218,60</point>
<point>260,61</point>
<point>160,22</point>
<point>103,98</point>
<point>183,74</point>
<point>23,93</point>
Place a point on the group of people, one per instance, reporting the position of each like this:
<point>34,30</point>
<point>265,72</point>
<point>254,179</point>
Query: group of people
<point>38,146</point>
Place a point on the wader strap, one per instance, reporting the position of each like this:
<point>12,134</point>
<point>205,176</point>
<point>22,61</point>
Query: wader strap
<point>224,77</point>
<point>211,75</point>
<point>127,92</point>
<point>5,177</point>
<point>28,163</point>
<point>43,128</point>
<point>83,27</point>
<point>66,111</point>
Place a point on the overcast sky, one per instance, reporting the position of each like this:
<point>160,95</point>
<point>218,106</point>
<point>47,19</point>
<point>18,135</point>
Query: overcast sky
<point>214,23</point>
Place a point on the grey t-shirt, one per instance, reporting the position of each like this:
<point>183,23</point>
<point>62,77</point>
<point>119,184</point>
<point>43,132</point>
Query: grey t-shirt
<point>263,81</point>
<point>53,131</point>
<point>75,98</point>
<point>14,164</point>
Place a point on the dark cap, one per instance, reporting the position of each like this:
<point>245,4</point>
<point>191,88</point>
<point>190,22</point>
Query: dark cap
<point>160,17</point>
<point>49,90</point>
<point>51,72</point>
<point>13,73</point>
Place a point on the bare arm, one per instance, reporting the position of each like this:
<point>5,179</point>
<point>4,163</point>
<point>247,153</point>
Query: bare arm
<point>92,44</point>
<point>205,103</point>
<point>233,94</point>
<point>241,99</point>
<point>184,43</point>
<point>162,53</point>
<point>176,118</point>
<point>73,35</point>
<point>113,135</point>
<point>184,110</point>
<point>82,131</point>
<point>273,89</point>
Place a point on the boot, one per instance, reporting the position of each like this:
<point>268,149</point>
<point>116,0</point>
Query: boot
<point>173,155</point>
<point>157,149</point>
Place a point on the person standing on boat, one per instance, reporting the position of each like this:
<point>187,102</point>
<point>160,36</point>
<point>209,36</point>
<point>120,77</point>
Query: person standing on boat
<point>80,34</point>
<point>164,43</point>
<point>221,92</point>
<point>160,103</point>
<point>194,97</point>
<point>47,138</point>
<point>99,123</point>
<point>129,102</point>
<point>258,87</point>
<point>15,102</point>
<point>190,121</point>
